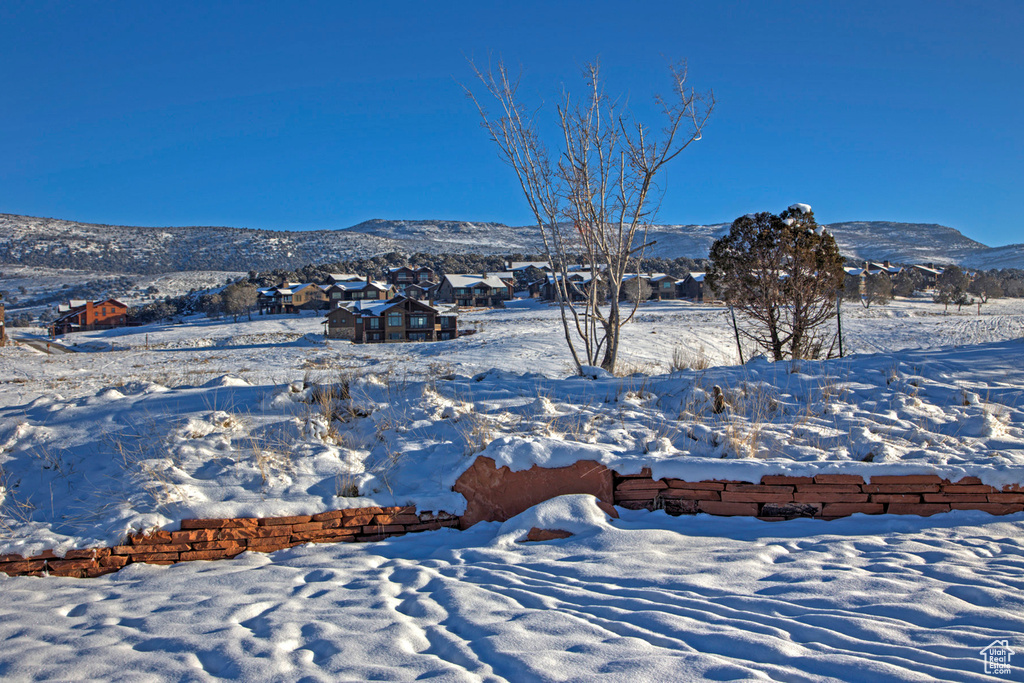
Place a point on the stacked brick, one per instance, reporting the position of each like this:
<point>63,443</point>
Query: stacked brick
<point>823,496</point>
<point>215,539</point>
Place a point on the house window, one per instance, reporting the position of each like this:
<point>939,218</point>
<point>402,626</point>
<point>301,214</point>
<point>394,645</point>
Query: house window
<point>394,319</point>
<point>418,336</point>
<point>335,295</point>
<point>417,321</point>
<point>395,336</point>
<point>424,277</point>
<point>373,323</point>
<point>666,284</point>
<point>462,290</point>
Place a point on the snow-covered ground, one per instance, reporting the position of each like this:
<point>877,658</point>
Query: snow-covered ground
<point>213,418</point>
<point>643,598</point>
<point>219,419</point>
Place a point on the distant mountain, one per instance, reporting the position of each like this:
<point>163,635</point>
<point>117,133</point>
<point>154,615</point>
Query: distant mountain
<point>25,240</point>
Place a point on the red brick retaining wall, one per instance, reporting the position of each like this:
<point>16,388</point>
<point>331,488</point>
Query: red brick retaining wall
<point>215,539</point>
<point>776,497</point>
<point>824,496</point>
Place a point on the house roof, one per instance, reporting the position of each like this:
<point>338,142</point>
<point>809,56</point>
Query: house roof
<point>362,284</point>
<point>373,308</point>
<point>695,276</point>
<point>344,277</point>
<point>491,281</point>
<point>523,265</point>
<point>305,286</point>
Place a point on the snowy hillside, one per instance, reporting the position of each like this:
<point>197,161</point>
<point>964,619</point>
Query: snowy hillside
<point>81,246</point>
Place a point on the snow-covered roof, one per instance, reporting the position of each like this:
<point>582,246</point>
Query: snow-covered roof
<point>927,269</point>
<point>376,307</point>
<point>362,284</point>
<point>344,277</point>
<point>697,276</point>
<point>412,268</point>
<point>299,288</point>
<point>492,281</point>
<point>523,265</point>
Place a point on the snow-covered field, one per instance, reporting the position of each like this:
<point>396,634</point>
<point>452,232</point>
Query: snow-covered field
<point>214,418</point>
<point>644,598</point>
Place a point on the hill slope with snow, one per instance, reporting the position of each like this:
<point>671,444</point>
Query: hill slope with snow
<point>53,243</point>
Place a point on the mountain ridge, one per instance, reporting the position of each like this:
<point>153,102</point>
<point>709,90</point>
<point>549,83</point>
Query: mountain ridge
<point>51,242</point>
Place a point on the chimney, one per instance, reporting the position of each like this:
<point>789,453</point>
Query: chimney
<point>367,279</point>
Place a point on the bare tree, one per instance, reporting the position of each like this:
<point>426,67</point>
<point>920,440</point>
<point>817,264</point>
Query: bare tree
<point>596,197</point>
<point>877,288</point>
<point>637,289</point>
<point>239,299</point>
<point>784,274</point>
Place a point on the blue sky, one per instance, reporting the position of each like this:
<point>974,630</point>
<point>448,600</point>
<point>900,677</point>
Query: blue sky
<point>322,115</point>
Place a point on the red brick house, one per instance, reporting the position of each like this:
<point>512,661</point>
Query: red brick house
<point>78,316</point>
<point>400,319</point>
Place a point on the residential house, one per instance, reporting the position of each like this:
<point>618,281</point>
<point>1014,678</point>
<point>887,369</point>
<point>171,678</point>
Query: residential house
<point>692,287</point>
<point>422,291</point>
<point>400,319</point>
<point>577,283</point>
<point>663,286</point>
<point>403,276</point>
<point>929,272</point>
<point>290,297</point>
<point>79,316</point>
<point>484,290</point>
<point>364,289</point>
<point>309,296</point>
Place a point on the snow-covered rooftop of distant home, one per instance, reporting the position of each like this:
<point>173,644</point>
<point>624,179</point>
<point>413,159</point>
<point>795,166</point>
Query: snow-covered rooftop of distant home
<point>470,280</point>
<point>524,265</point>
<point>343,277</point>
<point>362,284</point>
<point>696,275</point>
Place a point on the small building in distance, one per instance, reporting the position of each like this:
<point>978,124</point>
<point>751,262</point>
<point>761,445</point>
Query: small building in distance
<point>399,319</point>
<point>80,316</point>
